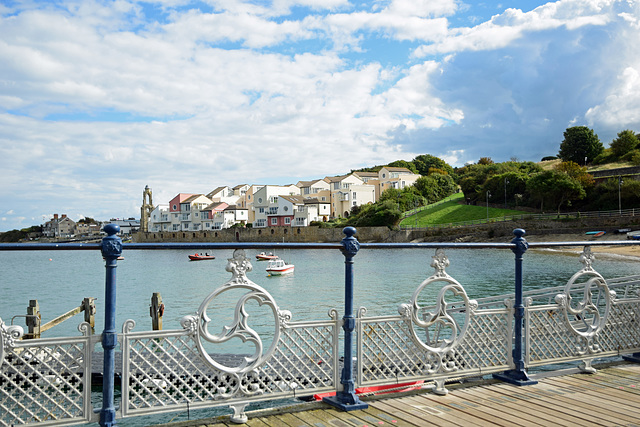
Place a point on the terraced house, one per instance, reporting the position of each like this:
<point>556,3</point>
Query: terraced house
<point>274,205</point>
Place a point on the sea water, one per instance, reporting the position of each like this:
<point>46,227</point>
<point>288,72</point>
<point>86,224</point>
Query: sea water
<point>383,279</point>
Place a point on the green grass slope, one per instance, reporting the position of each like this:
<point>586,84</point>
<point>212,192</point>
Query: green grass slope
<point>454,211</point>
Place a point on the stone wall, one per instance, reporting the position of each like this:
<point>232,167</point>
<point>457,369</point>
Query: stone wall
<point>269,234</point>
<point>492,231</point>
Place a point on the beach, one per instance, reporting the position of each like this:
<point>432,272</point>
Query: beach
<point>627,250</point>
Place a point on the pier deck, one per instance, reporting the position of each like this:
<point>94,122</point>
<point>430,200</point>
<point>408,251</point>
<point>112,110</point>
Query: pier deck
<point>561,398</point>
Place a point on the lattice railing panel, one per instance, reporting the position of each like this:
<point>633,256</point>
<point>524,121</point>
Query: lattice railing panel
<point>43,381</point>
<point>622,330</point>
<point>548,336</point>
<point>388,351</point>
<point>165,371</point>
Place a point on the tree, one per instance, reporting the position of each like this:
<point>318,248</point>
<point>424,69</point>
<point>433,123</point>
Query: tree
<point>580,145</point>
<point>424,162</point>
<point>555,187</point>
<point>625,142</point>
<point>404,164</point>
<point>485,161</point>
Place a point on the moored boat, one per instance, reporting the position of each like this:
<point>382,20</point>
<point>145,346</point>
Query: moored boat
<point>278,267</point>
<point>635,235</point>
<point>262,256</point>
<point>200,257</point>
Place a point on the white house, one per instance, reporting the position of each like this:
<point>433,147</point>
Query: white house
<point>265,202</point>
<point>348,191</point>
<point>159,219</point>
<point>313,210</point>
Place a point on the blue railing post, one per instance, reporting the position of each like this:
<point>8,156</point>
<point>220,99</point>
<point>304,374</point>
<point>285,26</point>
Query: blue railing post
<point>518,375</point>
<point>111,250</point>
<point>346,399</point>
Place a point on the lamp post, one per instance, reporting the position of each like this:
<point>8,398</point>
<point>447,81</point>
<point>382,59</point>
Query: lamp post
<point>488,195</point>
<point>506,181</point>
<point>620,181</point>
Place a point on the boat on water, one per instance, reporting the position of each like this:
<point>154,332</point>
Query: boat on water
<point>263,256</point>
<point>278,267</point>
<point>200,257</point>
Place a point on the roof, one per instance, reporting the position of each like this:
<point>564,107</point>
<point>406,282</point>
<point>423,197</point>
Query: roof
<point>235,208</point>
<point>335,178</point>
<point>240,185</point>
<point>192,198</point>
<point>215,206</point>
<point>294,199</point>
<point>397,169</point>
<point>215,191</point>
<point>315,201</point>
<point>369,174</point>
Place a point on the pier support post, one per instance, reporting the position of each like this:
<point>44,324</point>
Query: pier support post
<point>156,310</point>
<point>34,319</point>
<point>518,375</point>
<point>111,250</point>
<point>346,399</point>
<point>89,308</point>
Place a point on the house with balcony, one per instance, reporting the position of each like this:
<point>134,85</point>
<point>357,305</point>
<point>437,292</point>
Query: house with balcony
<point>348,191</point>
<point>159,218</point>
<point>370,178</point>
<point>311,188</point>
<point>395,177</point>
<point>223,194</point>
<point>209,215</point>
<point>312,210</point>
<point>265,202</point>
<point>229,216</point>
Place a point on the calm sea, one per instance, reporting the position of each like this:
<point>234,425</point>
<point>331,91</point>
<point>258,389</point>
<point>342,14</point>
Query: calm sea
<point>383,280</point>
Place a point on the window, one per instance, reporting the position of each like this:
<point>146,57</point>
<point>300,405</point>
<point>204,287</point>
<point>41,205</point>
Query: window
<point>175,208</point>
<point>384,175</point>
<point>287,220</point>
<point>354,195</point>
<point>286,208</point>
<point>259,199</point>
<point>261,210</point>
<point>274,221</point>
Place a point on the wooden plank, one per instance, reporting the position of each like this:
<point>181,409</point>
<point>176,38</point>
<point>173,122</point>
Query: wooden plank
<point>385,418</point>
<point>547,401</point>
<point>412,415</point>
<point>465,408</point>
<point>570,403</point>
<point>608,402</point>
<point>604,386</point>
<point>516,411</point>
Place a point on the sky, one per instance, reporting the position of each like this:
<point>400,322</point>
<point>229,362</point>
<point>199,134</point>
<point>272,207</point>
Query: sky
<point>100,98</point>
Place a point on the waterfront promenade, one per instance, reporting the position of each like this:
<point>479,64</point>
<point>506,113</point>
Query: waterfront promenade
<point>610,397</point>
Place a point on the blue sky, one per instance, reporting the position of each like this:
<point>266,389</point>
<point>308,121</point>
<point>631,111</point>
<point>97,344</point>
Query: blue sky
<point>100,98</point>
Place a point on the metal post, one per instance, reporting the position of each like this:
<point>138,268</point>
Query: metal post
<point>488,195</point>
<point>518,376</point>
<point>506,181</point>
<point>111,250</point>
<point>346,399</point>
<point>619,198</point>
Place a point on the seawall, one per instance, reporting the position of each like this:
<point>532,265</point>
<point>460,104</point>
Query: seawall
<point>502,231</point>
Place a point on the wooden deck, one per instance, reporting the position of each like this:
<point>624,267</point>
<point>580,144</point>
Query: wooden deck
<point>565,398</point>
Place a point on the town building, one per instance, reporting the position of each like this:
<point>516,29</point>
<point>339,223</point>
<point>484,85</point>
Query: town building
<point>59,227</point>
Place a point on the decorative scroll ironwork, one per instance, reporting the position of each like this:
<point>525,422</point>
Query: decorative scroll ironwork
<point>582,315</point>
<point>440,323</point>
<point>238,265</point>
<point>8,337</point>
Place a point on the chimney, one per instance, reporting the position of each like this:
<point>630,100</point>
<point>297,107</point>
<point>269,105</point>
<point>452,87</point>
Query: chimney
<point>63,216</point>
<point>55,216</point>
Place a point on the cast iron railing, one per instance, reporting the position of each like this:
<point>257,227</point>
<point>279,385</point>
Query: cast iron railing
<point>48,381</point>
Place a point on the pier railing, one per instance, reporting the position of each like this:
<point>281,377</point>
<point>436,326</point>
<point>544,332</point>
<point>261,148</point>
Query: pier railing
<point>425,342</point>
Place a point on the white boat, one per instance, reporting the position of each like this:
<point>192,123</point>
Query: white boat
<point>635,235</point>
<point>262,256</point>
<point>278,267</point>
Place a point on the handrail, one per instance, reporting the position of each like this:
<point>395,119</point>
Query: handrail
<point>292,245</point>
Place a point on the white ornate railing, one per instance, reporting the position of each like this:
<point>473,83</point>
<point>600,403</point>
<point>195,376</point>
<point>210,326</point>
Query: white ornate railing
<point>259,353</point>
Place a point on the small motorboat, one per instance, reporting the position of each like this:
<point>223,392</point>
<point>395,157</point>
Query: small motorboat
<point>634,235</point>
<point>200,257</point>
<point>278,267</point>
<point>262,256</point>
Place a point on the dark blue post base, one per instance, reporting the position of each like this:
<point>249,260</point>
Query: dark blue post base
<point>345,401</point>
<point>515,377</point>
<point>635,357</point>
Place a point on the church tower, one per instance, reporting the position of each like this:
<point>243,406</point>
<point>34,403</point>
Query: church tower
<point>145,210</point>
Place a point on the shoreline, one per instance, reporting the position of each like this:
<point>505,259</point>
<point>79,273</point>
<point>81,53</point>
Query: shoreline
<point>626,250</point>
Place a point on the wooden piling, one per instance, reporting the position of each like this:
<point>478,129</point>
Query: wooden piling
<point>89,308</point>
<point>34,319</point>
<point>156,310</point>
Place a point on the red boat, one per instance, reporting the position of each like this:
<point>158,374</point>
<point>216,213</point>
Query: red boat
<point>262,256</point>
<point>198,257</point>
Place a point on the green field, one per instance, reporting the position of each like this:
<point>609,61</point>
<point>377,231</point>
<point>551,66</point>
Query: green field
<point>452,211</point>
